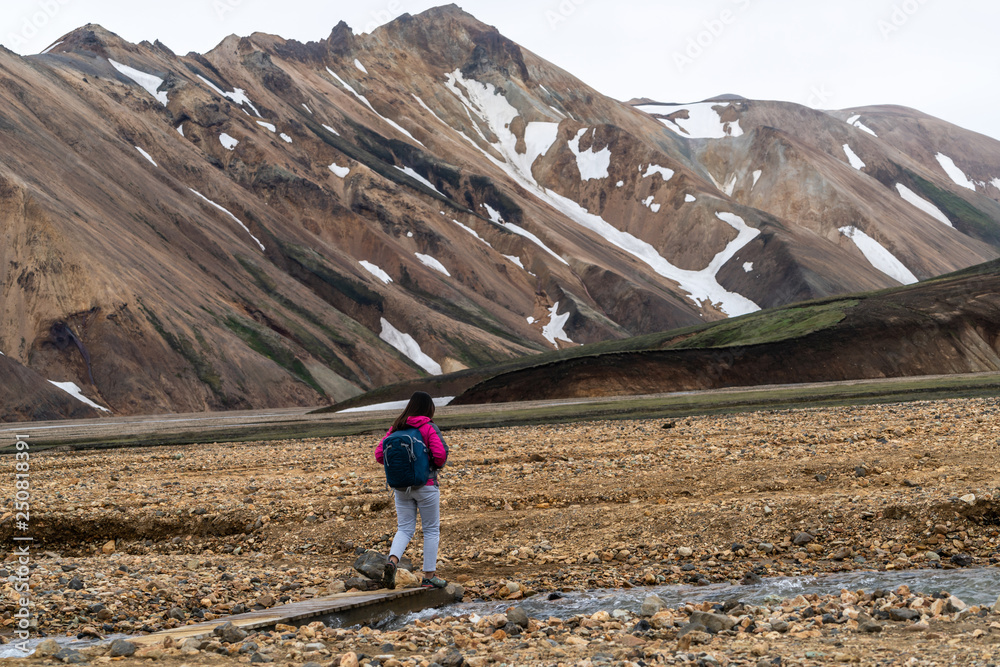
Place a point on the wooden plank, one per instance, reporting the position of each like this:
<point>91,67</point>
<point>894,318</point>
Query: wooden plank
<point>353,607</point>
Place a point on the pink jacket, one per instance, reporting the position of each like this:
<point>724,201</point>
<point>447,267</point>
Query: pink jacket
<point>432,438</point>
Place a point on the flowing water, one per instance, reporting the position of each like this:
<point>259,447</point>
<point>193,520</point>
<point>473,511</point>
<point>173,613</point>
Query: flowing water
<point>979,586</point>
<point>12,651</point>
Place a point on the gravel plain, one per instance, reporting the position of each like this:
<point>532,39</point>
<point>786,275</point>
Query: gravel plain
<point>137,540</point>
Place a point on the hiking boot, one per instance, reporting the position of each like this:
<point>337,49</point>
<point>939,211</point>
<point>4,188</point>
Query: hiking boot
<point>389,576</point>
<point>435,582</point>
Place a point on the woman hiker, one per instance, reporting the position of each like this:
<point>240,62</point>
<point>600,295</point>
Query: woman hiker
<point>424,498</point>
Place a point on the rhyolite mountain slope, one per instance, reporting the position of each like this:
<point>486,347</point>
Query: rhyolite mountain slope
<point>276,223</point>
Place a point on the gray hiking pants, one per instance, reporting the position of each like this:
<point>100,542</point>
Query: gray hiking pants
<point>425,500</point>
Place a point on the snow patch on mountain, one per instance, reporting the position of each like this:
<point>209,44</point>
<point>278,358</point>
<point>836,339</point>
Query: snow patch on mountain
<point>369,105</point>
<point>147,156</point>
<point>227,212</point>
<point>149,82</point>
<point>498,219</point>
<point>357,63</point>
<point>555,329</point>
<point>730,187</point>
<point>757,173</point>
<point>690,198</point>
<point>429,261</point>
<point>593,165</point>
<point>853,158</point>
<point>648,203</point>
<point>497,113</point>
<point>414,175</point>
<point>701,285</point>
<point>238,95</point>
<point>856,122</point>
<point>406,344</point>
<point>473,232</point>
<point>515,259</point>
<point>73,390</point>
<point>665,173</point>
<point>267,126</point>
<point>954,173</point>
<point>376,271</point>
<point>340,172</point>
<point>539,136</point>
<point>284,137</point>
<point>748,267</point>
<point>878,256</point>
<point>704,120</point>
<point>921,203</point>
<point>228,142</point>
<point>331,130</point>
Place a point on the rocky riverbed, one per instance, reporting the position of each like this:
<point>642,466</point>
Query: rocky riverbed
<point>133,541</point>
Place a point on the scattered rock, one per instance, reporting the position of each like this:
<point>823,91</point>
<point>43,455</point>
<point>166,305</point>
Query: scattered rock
<point>517,616</point>
<point>406,579</point>
<point>449,658</point>
<point>684,552</point>
<point>109,547</point>
<point>70,656</point>
<point>651,606</point>
<point>802,538</point>
<point>904,614</point>
<point>969,499</point>
<point>371,564</point>
<point>230,634</point>
<point>50,647</point>
<point>962,560</point>
<point>122,648</point>
<point>869,627</point>
<point>688,628</point>
<point>843,553</point>
<point>713,623</point>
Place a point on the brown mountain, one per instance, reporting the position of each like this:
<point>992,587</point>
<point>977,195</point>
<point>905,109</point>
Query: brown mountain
<point>276,223</point>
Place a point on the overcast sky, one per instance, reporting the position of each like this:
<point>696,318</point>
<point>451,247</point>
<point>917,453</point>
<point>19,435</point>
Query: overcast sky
<point>939,57</point>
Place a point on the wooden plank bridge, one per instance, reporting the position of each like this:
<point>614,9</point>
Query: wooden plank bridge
<point>343,609</point>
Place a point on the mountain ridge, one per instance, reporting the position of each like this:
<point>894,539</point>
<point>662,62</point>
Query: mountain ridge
<point>275,223</point>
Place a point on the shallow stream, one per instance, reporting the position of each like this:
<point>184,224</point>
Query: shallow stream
<point>980,586</point>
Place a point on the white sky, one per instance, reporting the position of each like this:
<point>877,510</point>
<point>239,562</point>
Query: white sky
<point>932,55</point>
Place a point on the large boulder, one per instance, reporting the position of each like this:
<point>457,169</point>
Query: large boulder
<point>371,564</point>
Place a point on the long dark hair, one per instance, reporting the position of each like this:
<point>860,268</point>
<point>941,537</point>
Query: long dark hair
<point>421,405</point>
